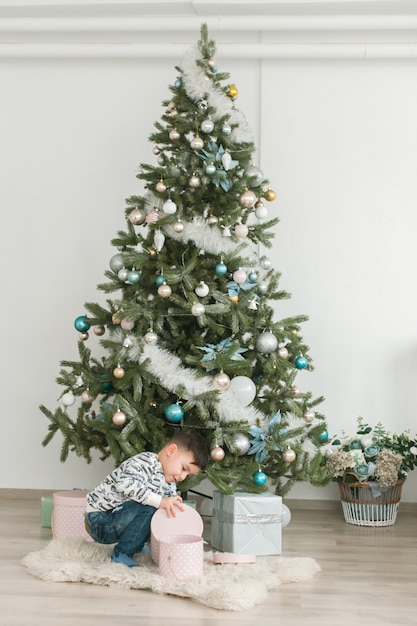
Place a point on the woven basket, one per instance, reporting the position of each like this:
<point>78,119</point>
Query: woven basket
<point>362,508</point>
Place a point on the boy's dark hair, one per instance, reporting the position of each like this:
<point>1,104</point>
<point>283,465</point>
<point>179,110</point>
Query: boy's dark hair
<point>192,441</point>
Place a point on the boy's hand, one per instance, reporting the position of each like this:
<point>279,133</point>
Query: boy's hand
<point>171,504</point>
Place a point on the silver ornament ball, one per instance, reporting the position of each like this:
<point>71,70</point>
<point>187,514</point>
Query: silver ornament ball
<point>241,444</point>
<point>266,343</point>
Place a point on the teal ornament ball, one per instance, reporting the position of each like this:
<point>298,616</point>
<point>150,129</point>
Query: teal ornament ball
<point>81,324</point>
<point>253,277</point>
<point>260,478</point>
<point>301,362</point>
<point>159,280</point>
<point>221,269</point>
<point>174,413</point>
<point>178,83</point>
<point>324,435</point>
<point>133,277</point>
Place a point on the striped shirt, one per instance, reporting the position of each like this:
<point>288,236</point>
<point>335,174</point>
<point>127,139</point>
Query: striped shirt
<point>139,478</point>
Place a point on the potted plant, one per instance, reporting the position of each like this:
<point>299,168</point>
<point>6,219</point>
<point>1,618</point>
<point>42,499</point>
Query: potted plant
<point>370,468</point>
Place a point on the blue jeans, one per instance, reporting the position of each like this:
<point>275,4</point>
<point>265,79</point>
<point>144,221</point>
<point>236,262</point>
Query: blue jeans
<point>128,526</point>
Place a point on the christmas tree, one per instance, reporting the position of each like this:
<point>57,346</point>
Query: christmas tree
<point>190,341</point>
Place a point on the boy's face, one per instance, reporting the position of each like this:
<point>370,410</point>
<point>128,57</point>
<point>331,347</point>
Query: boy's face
<point>177,464</point>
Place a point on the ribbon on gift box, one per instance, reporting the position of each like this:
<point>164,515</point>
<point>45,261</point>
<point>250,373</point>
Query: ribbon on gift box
<point>249,518</point>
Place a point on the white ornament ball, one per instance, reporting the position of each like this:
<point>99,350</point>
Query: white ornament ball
<point>68,398</point>
<point>169,207</point>
<point>160,186</point>
<point>164,291</point>
<point>217,454</point>
<point>116,263</point>
<point>266,263</point>
<point>194,182</point>
<point>196,143</point>
<point>178,227</point>
<point>244,389</point>
<point>283,352</point>
<point>241,230</point>
<point>174,134</point>
<point>122,274</point>
<point>266,343</point>
<point>261,212</point>
<point>137,216</point>
<point>256,174</point>
<point>151,338</point>
<point>309,415</point>
<point>288,455</point>
<point>198,309</point>
<point>240,276</point>
<point>247,199</point>
<point>119,418</point>
<point>207,126</point>
<point>202,289</point>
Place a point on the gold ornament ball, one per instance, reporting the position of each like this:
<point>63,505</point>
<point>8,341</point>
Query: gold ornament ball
<point>217,454</point>
<point>152,251</point>
<point>270,195</point>
<point>137,216</point>
<point>83,336</point>
<point>234,299</point>
<point>119,418</point>
<point>115,318</point>
<point>221,381</point>
<point>288,455</point>
<point>232,91</point>
<point>247,199</point>
<point>118,372</point>
<point>164,291</point>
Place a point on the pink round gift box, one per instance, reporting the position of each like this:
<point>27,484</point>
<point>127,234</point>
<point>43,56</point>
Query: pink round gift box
<point>68,514</point>
<point>181,556</point>
<point>186,522</point>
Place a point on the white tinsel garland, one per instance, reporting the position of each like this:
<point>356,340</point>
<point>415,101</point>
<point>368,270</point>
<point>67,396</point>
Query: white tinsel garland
<point>167,368</point>
<point>199,87</point>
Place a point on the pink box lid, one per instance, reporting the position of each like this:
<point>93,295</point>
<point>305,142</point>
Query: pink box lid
<point>70,498</point>
<point>187,522</point>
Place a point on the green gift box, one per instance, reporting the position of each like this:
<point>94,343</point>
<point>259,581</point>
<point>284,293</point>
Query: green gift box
<point>46,511</point>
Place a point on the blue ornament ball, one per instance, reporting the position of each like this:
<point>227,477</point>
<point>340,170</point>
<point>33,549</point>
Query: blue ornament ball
<point>253,277</point>
<point>301,362</point>
<point>260,478</point>
<point>133,277</point>
<point>174,413</point>
<point>159,280</point>
<point>221,269</point>
<point>323,436</point>
<point>81,324</point>
<point>178,83</point>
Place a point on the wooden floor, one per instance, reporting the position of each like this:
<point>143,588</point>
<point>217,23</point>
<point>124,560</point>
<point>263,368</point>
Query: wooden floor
<point>368,577</point>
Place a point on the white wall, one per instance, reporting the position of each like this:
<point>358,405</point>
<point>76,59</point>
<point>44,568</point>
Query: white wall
<point>337,140</point>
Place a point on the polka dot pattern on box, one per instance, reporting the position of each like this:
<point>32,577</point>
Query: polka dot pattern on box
<point>181,556</point>
<point>68,515</point>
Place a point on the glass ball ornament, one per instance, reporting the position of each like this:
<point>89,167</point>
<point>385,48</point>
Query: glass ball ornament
<point>197,143</point>
<point>169,207</point>
<point>202,289</point>
<point>285,515</point>
<point>194,181</point>
<point>99,330</point>
<point>240,443</point>
<point>68,398</point>
<point>260,478</point>
<point>217,454</point>
<point>301,362</point>
<point>262,288</point>
<point>174,413</point>
<point>221,381</point>
<point>178,83</point>
<point>266,343</point>
<point>261,212</point>
<point>178,227</point>
<point>159,280</point>
<point>198,309</point>
<point>156,150</point>
<point>116,318</point>
<point>247,199</point>
<point>137,217</point>
<point>150,338</point>
<point>127,324</point>
<point>174,134</point>
<point>164,291</point>
<point>283,352</point>
<point>240,276</point>
<point>212,220</point>
<point>323,437</point>
<point>87,397</point>
<point>241,230</point>
<point>266,263</point>
<point>221,269</point>
<point>119,418</point>
<point>288,456</point>
<point>244,389</point>
<point>133,277</point>
<point>81,324</point>
<point>295,391</point>
<point>116,263</point>
<point>122,274</point>
<point>270,195</point>
<point>160,186</point>
<point>207,126</point>
<point>252,277</point>
<point>226,129</point>
<point>255,174</point>
<point>118,372</point>
<point>309,415</point>
<point>83,336</point>
<point>210,169</point>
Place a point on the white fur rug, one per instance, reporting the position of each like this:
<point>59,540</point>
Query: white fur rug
<point>228,587</point>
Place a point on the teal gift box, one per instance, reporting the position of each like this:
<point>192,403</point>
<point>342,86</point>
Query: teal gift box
<point>46,511</point>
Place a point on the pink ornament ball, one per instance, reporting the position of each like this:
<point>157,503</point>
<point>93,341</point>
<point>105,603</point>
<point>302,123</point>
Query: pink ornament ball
<point>240,276</point>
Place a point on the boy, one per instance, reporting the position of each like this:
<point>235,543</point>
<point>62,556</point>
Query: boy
<point>119,510</point>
